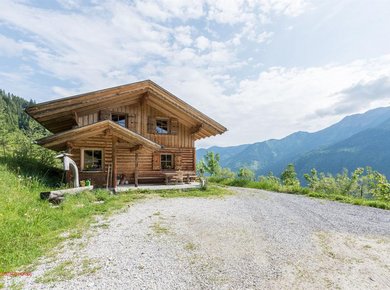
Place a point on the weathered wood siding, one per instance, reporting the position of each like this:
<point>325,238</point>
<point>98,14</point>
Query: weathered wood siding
<point>125,159</point>
<point>182,139</point>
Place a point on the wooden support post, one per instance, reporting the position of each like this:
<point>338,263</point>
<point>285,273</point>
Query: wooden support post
<point>114,163</point>
<point>76,119</point>
<point>194,159</point>
<point>144,117</point>
<point>136,170</point>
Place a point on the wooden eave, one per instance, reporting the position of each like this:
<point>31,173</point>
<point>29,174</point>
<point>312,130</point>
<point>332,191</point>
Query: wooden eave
<point>59,141</point>
<point>59,115</point>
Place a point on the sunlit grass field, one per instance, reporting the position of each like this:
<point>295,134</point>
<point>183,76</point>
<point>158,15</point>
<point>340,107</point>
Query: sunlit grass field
<point>29,226</point>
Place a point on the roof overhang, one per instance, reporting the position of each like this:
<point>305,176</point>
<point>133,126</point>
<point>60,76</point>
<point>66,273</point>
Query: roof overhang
<point>61,115</point>
<point>59,141</point>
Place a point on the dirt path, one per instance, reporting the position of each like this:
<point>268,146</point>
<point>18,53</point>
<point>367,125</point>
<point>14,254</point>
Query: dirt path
<point>251,240</point>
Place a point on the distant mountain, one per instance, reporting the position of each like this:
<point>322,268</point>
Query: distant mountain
<point>225,152</point>
<point>370,147</point>
<point>346,144</point>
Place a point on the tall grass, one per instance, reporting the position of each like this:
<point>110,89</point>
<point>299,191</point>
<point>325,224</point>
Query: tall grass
<point>269,184</point>
<point>30,226</point>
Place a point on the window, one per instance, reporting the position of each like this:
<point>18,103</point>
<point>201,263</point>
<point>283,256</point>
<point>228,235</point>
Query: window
<point>166,161</point>
<point>162,126</point>
<point>92,160</point>
<point>120,119</point>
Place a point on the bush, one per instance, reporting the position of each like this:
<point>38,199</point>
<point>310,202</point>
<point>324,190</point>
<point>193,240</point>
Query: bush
<point>246,174</point>
<point>363,183</point>
<point>270,182</point>
<point>225,173</point>
<point>289,176</point>
<point>362,187</point>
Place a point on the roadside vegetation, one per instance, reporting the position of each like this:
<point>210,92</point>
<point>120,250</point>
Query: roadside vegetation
<point>363,186</point>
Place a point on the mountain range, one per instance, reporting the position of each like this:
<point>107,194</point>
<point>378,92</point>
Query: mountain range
<point>356,141</point>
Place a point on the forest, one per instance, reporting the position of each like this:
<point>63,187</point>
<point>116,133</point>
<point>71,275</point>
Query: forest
<point>17,149</point>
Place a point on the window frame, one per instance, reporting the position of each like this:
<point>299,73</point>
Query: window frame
<point>159,119</point>
<point>120,114</point>
<point>83,159</point>
<point>172,161</point>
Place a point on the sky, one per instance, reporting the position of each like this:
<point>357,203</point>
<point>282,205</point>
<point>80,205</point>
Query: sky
<point>264,69</point>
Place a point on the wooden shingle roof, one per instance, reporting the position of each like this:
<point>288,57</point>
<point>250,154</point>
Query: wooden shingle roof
<point>60,115</point>
<point>59,141</point>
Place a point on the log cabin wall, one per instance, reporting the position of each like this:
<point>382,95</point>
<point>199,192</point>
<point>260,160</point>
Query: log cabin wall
<point>180,144</point>
<point>100,141</point>
<point>182,139</point>
<point>141,105</point>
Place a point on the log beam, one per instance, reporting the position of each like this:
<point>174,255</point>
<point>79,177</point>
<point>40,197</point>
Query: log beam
<point>114,162</point>
<point>69,147</point>
<point>194,130</point>
<point>136,148</point>
<point>76,118</point>
<point>136,172</point>
<point>144,116</point>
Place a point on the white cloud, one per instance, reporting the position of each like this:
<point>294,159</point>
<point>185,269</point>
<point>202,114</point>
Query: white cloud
<point>70,4</point>
<point>183,36</point>
<point>114,42</point>
<point>11,47</point>
<point>286,7</point>
<point>163,10</point>
<point>281,101</point>
<point>229,11</point>
<point>202,43</point>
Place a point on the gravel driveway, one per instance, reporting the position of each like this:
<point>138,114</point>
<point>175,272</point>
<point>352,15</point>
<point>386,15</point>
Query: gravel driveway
<point>250,240</point>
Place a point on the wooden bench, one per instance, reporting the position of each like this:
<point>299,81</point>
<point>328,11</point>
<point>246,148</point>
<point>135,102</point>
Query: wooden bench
<point>190,177</point>
<point>165,177</point>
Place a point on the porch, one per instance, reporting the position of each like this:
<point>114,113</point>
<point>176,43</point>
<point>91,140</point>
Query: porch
<point>126,187</point>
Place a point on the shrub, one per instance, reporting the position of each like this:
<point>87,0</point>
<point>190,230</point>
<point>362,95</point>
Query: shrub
<point>380,187</point>
<point>270,182</point>
<point>225,173</point>
<point>246,174</point>
<point>289,176</point>
<point>209,164</point>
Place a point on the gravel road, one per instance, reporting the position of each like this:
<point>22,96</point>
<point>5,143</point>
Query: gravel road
<point>250,240</point>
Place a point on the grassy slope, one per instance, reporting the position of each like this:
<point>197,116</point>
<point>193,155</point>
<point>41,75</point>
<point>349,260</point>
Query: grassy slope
<point>29,227</point>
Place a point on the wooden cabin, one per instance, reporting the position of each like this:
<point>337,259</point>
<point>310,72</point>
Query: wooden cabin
<point>134,133</point>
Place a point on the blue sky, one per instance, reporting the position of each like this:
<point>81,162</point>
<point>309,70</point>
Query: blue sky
<point>264,68</point>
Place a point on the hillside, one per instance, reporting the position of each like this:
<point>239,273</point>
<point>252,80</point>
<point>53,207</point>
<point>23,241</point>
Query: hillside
<point>18,153</point>
<point>368,148</point>
<point>319,149</point>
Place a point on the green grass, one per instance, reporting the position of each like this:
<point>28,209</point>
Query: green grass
<point>351,200</point>
<point>190,246</point>
<point>211,191</point>
<point>61,272</point>
<point>68,270</point>
<point>29,227</point>
<point>159,229</point>
<point>302,191</point>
